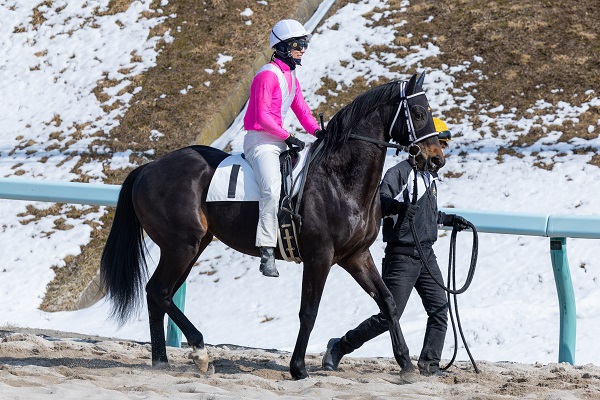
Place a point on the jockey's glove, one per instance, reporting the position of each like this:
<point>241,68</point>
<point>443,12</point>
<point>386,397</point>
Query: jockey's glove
<point>319,133</point>
<point>293,141</point>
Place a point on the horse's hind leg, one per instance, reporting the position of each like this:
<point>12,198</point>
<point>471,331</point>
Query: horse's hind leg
<point>156,316</point>
<point>171,272</point>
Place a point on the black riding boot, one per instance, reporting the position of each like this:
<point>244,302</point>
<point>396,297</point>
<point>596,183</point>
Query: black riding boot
<point>267,262</point>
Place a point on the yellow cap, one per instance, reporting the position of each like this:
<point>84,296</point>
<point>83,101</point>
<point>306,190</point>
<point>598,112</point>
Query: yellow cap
<point>440,126</point>
<point>442,130</point>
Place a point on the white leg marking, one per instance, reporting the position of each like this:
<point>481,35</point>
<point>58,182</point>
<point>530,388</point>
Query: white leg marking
<point>200,358</point>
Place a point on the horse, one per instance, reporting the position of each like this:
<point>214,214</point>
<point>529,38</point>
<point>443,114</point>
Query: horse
<point>340,209</point>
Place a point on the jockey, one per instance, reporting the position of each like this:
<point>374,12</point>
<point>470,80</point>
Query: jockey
<point>275,89</point>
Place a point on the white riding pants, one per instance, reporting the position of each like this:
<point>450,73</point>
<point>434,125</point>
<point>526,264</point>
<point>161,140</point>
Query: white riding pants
<point>264,160</point>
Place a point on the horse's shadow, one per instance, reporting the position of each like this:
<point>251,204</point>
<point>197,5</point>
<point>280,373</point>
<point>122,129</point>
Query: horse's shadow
<point>226,366</point>
<point>68,362</point>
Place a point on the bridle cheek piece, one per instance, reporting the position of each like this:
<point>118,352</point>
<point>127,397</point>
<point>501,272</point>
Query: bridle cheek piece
<point>413,139</point>
<point>403,105</point>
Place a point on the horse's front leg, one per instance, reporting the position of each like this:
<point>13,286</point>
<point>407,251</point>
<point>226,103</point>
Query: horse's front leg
<point>313,281</point>
<point>363,270</point>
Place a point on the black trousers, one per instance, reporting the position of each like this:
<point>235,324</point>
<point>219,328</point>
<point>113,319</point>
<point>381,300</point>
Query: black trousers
<point>401,273</point>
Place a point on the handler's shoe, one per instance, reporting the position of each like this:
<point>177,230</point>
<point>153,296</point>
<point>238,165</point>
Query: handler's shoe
<point>267,262</point>
<point>431,369</point>
<point>437,373</point>
<point>333,355</point>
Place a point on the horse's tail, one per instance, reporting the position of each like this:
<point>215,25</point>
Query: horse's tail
<point>123,264</point>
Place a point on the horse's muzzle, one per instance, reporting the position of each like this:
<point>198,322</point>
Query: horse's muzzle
<point>436,162</point>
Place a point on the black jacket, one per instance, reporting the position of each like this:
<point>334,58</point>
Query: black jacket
<point>398,183</point>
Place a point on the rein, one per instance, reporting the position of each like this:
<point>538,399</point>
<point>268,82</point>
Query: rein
<point>398,147</point>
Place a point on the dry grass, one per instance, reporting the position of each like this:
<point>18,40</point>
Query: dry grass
<point>529,48</point>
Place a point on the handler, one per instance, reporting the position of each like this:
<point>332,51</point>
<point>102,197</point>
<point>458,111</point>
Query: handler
<point>402,267</point>
<point>275,89</point>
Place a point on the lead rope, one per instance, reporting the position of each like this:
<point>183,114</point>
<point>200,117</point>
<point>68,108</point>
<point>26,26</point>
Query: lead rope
<point>451,273</point>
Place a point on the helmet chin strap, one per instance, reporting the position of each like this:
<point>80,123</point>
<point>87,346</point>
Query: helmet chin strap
<point>289,61</point>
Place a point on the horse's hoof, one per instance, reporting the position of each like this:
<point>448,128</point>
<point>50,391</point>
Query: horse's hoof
<point>160,364</point>
<point>200,358</point>
<point>299,375</point>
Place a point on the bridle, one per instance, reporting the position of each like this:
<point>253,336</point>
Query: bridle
<point>413,139</point>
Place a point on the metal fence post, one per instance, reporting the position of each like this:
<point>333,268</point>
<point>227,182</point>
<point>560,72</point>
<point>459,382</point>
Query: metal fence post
<point>173,331</point>
<point>566,300</point>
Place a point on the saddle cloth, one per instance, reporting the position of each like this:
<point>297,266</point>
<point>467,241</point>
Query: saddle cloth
<point>234,179</point>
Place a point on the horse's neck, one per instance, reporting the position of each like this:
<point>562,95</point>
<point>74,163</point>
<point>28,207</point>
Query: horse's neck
<point>358,167</point>
<point>358,164</point>
<point>371,159</point>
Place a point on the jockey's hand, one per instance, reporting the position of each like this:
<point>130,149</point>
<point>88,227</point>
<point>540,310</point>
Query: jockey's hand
<point>293,141</point>
<point>319,134</point>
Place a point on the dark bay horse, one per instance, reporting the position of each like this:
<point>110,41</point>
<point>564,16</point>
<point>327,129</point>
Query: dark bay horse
<point>340,210</point>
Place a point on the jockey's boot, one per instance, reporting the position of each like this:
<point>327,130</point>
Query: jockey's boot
<point>267,262</point>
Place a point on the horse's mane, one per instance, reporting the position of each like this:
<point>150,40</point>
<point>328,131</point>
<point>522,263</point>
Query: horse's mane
<point>341,124</point>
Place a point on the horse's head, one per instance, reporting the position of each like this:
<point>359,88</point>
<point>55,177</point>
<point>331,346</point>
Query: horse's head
<point>413,126</point>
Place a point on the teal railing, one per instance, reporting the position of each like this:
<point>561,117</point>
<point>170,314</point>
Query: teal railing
<point>556,227</point>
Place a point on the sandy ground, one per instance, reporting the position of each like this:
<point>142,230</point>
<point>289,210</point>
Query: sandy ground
<point>49,364</point>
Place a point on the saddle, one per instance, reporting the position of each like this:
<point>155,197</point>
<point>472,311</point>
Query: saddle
<point>234,180</point>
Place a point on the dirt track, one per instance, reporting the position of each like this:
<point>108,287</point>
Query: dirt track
<point>49,364</point>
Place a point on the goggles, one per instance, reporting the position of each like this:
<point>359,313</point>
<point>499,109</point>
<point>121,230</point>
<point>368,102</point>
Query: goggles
<point>298,44</point>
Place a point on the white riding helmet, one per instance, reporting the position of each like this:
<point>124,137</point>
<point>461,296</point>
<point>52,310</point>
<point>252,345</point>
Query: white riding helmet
<point>287,29</point>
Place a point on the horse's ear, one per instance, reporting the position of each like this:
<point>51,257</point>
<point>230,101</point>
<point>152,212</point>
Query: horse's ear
<point>421,80</point>
<point>410,88</point>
